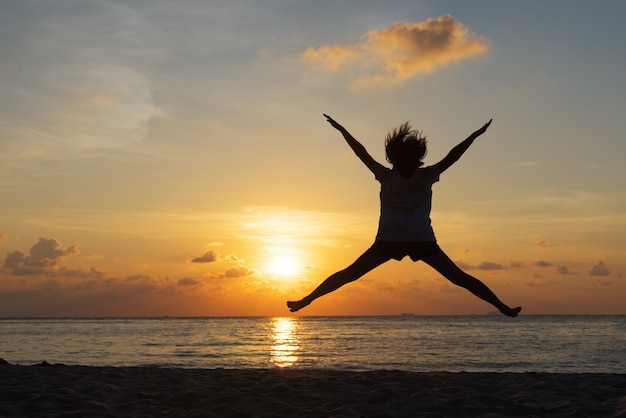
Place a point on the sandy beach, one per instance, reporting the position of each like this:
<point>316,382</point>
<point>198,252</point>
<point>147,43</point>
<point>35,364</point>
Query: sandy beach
<point>45,390</point>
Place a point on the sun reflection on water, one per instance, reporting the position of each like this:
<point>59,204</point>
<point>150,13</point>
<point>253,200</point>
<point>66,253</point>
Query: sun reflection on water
<point>285,342</point>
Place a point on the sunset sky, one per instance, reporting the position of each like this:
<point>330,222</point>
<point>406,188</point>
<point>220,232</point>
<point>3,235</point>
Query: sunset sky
<point>166,157</point>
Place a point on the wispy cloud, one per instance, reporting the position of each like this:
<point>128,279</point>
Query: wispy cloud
<point>108,106</point>
<point>485,265</point>
<point>401,51</point>
<point>75,79</point>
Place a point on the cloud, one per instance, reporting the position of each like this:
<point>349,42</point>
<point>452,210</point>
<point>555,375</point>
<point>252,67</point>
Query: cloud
<point>95,92</point>
<point>109,106</point>
<point>46,255</point>
<point>91,273</point>
<point>564,270</point>
<point>208,257</point>
<point>401,51</point>
<point>233,257</point>
<point>188,281</point>
<point>46,258</point>
<point>212,256</point>
<point>240,271</point>
<point>487,265</point>
<point>331,57</point>
<point>599,269</point>
<point>542,263</point>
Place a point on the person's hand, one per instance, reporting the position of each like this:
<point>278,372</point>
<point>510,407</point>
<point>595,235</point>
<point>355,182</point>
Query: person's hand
<point>333,122</point>
<point>484,128</point>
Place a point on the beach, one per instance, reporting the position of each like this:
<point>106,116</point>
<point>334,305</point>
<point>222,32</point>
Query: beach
<point>56,390</point>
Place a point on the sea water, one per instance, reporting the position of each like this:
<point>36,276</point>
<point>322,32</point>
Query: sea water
<point>560,344</point>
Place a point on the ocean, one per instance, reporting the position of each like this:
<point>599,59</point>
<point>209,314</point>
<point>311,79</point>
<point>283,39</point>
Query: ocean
<point>529,343</point>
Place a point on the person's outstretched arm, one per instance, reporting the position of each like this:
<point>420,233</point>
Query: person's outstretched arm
<point>456,152</point>
<point>356,146</point>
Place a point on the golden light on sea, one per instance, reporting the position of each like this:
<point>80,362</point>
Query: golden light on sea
<point>285,342</point>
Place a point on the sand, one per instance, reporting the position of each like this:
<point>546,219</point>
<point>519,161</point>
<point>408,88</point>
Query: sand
<point>79,391</point>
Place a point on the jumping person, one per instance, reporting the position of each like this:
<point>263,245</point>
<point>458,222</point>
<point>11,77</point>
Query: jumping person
<point>404,226</point>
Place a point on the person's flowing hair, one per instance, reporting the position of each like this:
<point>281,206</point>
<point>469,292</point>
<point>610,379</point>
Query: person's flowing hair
<point>405,147</point>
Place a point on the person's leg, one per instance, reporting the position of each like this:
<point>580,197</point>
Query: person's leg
<point>442,263</point>
<point>369,260</point>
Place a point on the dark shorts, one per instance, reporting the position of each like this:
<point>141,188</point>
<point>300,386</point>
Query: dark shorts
<point>398,250</point>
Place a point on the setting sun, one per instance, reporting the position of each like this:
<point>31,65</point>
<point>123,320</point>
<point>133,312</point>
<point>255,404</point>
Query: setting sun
<point>283,265</point>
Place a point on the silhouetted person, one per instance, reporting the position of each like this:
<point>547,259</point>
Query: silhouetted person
<point>404,227</point>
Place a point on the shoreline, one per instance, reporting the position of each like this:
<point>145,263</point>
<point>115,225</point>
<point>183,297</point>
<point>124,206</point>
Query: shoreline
<point>60,390</point>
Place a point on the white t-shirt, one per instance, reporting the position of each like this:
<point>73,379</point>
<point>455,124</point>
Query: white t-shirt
<point>405,204</point>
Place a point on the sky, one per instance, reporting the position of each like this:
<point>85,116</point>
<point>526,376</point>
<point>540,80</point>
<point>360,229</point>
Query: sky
<point>171,158</point>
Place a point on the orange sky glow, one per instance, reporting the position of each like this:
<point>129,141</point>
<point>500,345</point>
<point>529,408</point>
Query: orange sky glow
<point>163,160</point>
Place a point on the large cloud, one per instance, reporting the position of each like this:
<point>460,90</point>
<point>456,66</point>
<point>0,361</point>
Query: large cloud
<point>44,256</point>
<point>402,51</point>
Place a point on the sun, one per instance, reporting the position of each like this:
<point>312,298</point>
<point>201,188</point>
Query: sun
<point>283,265</point>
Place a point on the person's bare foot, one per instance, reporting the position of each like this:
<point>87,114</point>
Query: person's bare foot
<point>512,312</point>
<point>295,306</point>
